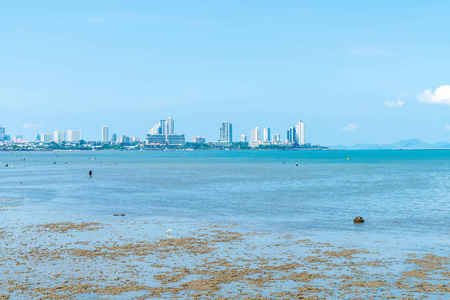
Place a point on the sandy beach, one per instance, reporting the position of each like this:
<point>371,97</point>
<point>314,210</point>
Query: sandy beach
<point>137,258</point>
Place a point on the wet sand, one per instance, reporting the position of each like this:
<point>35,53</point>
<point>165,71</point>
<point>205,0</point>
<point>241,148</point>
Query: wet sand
<point>136,258</point>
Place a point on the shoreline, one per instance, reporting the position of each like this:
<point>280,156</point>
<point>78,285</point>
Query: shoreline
<point>139,258</point>
<point>212,149</point>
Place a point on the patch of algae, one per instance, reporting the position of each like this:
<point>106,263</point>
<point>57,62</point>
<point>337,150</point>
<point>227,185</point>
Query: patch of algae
<point>208,262</point>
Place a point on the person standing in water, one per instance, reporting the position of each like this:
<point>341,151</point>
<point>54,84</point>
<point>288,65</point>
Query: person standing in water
<point>90,173</point>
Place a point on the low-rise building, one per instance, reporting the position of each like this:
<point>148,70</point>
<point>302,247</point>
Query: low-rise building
<point>163,139</point>
<point>198,139</point>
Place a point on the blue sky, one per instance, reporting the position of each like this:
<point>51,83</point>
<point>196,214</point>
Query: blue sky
<point>353,71</point>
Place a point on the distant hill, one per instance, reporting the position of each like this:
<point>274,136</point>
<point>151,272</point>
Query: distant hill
<point>406,144</point>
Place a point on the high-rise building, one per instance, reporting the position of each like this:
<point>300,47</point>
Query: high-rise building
<point>114,138</point>
<point>276,138</point>
<point>291,135</point>
<point>226,132</point>
<point>59,136</point>
<point>266,136</point>
<point>255,135</point>
<point>105,134</point>
<point>124,139</point>
<point>243,138</point>
<point>300,130</point>
<point>73,136</point>
<point>162,127</point>
<point>2,133</point>
<point>170,125</point>
<point>46,138</point>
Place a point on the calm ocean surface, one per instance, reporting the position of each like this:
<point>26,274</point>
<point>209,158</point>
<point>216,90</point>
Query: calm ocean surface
<point>403,195</point>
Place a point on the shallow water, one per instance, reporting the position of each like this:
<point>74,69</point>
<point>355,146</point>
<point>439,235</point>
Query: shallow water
<point>403,195</point>
<point>283,214</point>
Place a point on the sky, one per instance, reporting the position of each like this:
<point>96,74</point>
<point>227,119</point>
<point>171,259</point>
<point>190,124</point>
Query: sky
<point>353,71</point>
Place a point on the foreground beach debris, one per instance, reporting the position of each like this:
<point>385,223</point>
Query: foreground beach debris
<point>137,259</point>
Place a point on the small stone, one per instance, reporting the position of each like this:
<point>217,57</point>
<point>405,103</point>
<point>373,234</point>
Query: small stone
<point>358,220</point>
<point>119,215</point>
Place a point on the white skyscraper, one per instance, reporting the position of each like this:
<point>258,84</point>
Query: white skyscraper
<point>46,137</point>
<point>170,125</point>
<point>255,135</point>
<point>73,136</point>
<point>59,136</point>
<point>105,134</point>
<point>300,131</point>
<point>243,138</point>
<point>266,136</point>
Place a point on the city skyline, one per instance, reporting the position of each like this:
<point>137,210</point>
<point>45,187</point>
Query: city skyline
<point>352,78</point>
<point>163,127</point>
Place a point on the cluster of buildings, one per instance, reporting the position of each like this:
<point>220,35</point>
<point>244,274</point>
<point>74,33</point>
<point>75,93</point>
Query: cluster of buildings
<point>123,139</point>
<point>163,133</point>
<point>295,136</point>
<point>59,136</point>
<point>67,137</point>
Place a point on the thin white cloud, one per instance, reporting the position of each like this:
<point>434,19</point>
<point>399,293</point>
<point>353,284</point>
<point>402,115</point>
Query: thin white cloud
<point>31,125</point>
<point>447,127</point>
<point>390,104</point>
<point>351,127</point>
<point>395,103</point>
<point>440,96</point>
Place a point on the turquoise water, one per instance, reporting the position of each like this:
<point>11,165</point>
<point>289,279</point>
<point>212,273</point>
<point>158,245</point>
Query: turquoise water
<point>403,195</point>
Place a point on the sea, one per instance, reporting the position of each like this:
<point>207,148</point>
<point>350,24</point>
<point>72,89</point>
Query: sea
<point>403,195</point>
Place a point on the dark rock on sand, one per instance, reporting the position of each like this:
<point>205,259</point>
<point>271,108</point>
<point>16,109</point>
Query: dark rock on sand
<point>358,220</point>
<point>119,215</point>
